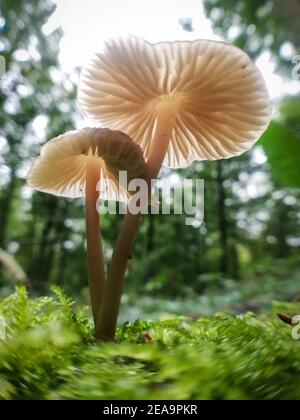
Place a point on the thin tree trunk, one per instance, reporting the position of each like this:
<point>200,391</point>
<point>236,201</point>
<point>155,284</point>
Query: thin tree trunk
<point>6,207</point>
<point>223,228</point>
<point>281,234</point>
<point>150,233</point>
<point>235,269</point>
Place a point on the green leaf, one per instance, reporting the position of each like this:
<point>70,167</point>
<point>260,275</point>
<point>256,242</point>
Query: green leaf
<point>282,147</point>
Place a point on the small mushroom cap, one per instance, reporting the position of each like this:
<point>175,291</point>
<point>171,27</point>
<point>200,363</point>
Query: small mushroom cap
<point>217,95</point>
<point>62,166</point>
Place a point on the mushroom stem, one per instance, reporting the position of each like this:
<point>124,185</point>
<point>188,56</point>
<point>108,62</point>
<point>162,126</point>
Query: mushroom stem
<point>161,140</point>
<point>109,310</point>
<point>95,257</point>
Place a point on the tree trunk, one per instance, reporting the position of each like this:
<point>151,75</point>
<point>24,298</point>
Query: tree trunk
<point>6,207</point>
<point>281,231</point>
<point>150,233</point>
<point>223,228</point>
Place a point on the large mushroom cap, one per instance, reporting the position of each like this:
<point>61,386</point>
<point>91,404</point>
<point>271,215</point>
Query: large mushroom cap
<point>219,98</point>
<point>61,168</point>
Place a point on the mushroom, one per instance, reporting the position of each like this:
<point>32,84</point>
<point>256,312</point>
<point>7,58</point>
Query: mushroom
<point>72,165</point>
<point>181,102</point>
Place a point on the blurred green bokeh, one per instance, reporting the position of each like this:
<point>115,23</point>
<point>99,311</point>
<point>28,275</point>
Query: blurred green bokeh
<point>252,207</point>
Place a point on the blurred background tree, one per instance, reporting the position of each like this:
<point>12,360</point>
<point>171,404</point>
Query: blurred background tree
<point>36,100</point>
<point>258,26</point>
<point>249,243</point>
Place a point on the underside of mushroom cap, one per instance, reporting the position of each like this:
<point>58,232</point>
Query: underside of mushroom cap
<point>62,166</point>
<point>218,96</point>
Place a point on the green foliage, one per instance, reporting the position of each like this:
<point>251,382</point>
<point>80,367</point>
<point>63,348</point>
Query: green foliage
<point>46,235</point>
<point>236,261</point>
<point>49,353</point>
<point>282,147</point>
<point>257,26</point>
<point>275,280</point>
<point>33,92</point>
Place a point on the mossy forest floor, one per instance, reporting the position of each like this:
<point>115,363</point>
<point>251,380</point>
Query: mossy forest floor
<point>49,353</point>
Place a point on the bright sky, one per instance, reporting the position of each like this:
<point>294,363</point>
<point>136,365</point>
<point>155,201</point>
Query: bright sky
<point>87,24</point>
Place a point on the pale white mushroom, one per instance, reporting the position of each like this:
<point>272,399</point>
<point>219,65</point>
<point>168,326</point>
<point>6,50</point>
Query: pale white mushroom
<point>63,164</point>
<point>181,101</point>
<point>72,166</point>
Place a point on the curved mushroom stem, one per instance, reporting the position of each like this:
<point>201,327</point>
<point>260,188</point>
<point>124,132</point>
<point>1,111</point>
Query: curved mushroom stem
<point>94,242</point>
<point>161,140</point>
<point>109,310</point>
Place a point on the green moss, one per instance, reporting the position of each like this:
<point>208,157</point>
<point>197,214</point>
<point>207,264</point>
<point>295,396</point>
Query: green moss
<point>49,353</point>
